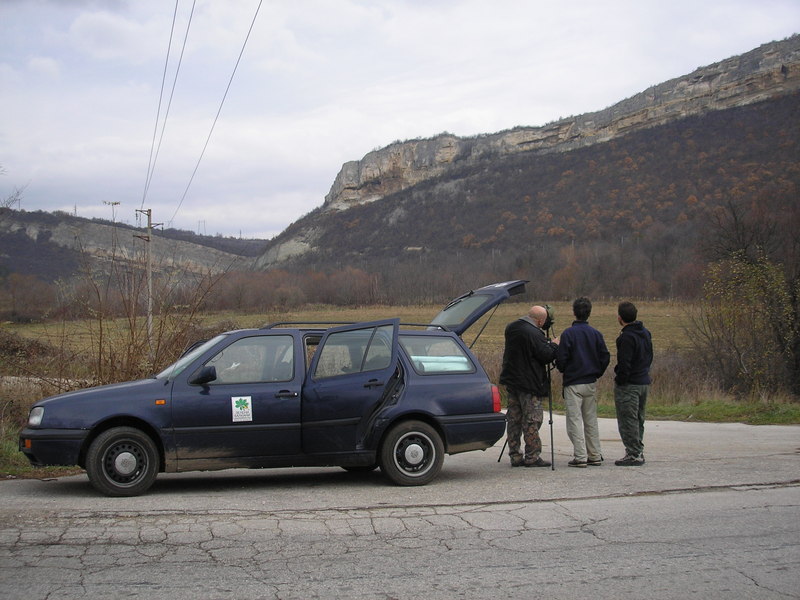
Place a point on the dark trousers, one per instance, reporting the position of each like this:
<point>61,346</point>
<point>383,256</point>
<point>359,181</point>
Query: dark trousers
<point>630,402</point>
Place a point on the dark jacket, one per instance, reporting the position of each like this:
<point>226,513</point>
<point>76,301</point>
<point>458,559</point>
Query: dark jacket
<point>582,354</point>
<point>634,355</point>
<point>527,353</point>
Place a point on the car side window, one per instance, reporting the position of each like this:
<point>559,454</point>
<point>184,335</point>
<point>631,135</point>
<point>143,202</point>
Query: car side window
<point>355,351</point>
<point>255,359</point>
<point>432,355</point>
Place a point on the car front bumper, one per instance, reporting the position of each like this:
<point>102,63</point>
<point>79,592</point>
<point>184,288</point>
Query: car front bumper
<point>52,447</point>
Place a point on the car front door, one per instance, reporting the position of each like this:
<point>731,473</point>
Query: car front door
<point>251,406</point>
<point>349,377</point>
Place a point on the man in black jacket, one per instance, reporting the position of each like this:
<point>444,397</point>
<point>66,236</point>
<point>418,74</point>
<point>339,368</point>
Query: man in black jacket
<point>631,383</point>
<point>524,374</point>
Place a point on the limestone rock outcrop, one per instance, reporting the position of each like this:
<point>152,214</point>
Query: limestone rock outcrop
<point>768,71</point>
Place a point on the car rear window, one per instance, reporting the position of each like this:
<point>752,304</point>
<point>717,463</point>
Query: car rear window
<point>431,355</point>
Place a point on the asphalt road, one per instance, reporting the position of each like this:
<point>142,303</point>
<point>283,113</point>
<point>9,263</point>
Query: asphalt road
<point>713,513</point>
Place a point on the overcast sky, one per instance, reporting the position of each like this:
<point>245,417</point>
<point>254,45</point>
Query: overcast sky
<point>320,83</point>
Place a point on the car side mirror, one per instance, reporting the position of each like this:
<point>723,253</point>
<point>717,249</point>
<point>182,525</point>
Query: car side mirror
<point>204,375</point>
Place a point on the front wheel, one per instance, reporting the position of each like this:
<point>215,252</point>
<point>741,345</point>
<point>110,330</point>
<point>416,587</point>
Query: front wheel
<point>412,453</point>
<point>122,461</point>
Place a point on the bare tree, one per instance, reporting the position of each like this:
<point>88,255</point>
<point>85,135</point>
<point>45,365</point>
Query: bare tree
<point>15,197</point>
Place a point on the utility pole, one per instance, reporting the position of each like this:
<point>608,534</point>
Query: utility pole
<point>113,204</point>
<point>148,238</point>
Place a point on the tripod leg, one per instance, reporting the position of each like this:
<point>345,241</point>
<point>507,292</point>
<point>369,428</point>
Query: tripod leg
<point>550,403</point>
<point>503,450</point>
<point>552,448</point>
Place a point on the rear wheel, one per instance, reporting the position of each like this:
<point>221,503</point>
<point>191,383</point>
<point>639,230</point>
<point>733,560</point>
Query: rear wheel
<point>122,461</point>
<point>412,453</point>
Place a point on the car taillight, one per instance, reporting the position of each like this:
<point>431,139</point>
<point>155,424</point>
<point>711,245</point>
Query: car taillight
<point>496,398</point>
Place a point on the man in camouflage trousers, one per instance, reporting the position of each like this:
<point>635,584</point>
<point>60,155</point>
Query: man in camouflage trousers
<point>525,358</point>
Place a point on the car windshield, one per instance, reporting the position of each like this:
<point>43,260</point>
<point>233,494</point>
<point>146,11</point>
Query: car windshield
<point>179,365</point>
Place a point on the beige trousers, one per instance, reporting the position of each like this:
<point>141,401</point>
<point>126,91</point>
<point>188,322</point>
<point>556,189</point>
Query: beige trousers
<point>580,401</point>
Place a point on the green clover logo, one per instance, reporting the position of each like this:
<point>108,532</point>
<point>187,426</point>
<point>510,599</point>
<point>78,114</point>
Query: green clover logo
<point>241,404</point>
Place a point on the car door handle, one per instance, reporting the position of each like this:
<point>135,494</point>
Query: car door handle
<point>373,383</point>
<point>286,394</point>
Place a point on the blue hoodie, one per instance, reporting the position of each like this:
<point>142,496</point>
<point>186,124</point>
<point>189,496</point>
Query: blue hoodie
<point>582,354</point>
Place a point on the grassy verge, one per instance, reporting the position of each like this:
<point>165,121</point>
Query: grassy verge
<point>716,411</point>
<point>14,465</point>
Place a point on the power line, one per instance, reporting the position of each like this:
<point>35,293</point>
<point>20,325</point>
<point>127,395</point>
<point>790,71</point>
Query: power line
<point>158,111</point>
<point>219,110</point>
<point>171,95</point>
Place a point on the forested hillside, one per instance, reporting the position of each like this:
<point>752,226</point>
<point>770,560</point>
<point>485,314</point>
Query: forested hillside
<point>628,217</point>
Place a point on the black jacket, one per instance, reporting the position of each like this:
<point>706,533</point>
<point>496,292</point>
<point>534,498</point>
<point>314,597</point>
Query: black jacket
<point>582,354</point>
<point>527,353</point>
<point>634,355</point>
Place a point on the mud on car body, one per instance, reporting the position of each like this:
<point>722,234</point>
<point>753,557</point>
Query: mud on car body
<point>358,396</point>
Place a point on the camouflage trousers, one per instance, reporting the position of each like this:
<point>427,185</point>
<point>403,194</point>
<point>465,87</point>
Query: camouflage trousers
<point>523,419</point>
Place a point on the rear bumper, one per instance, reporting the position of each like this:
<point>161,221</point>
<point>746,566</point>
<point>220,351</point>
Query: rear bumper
<point>52,447</point>
<point>472,432</point>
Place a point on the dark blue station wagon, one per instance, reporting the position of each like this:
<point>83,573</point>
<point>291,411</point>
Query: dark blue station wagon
<point>357,396</point>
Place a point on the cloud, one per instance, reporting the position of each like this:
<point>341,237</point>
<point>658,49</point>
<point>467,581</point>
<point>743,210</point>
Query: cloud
<point>319,83</point>
<point>45,66</point>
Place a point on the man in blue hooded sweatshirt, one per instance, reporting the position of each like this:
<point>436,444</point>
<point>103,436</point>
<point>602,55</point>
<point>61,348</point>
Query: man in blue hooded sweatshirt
<point>631,383</point>
<point>582,358</point>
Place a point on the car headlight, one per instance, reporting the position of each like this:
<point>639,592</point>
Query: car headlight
<point>36,415</point>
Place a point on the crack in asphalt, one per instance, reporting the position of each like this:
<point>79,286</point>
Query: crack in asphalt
<point>287,551</point>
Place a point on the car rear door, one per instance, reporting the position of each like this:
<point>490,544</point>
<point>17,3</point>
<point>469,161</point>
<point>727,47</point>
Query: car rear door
<point>349,377</point>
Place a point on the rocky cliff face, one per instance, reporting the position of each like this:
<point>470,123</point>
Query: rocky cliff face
<point>768,71</point>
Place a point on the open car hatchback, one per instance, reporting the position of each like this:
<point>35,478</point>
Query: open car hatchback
<point>358,396</point>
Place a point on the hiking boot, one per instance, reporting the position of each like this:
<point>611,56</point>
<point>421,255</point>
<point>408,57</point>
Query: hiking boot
<point>595,462</point>
<point>539,462</point>
<point>629,461</point>
<point>577,463</point>
<point>517,462</point>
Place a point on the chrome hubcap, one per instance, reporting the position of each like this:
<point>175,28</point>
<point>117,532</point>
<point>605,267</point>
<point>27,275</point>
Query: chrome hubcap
<point>125,463</point>
<point>414,454</point>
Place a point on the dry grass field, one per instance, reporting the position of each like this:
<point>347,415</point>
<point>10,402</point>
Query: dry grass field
<point>678,392</point>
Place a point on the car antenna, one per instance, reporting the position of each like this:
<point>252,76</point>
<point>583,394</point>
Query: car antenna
<point>484,327</point>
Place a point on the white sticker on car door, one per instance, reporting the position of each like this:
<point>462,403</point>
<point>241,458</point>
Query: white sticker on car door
<point>242,407</point>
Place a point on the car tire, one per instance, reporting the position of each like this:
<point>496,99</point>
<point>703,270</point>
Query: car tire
<point>412,453</point>
<point>122,461</point>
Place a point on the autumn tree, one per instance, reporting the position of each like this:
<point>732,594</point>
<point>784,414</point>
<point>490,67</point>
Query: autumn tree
<point>748,328</point>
